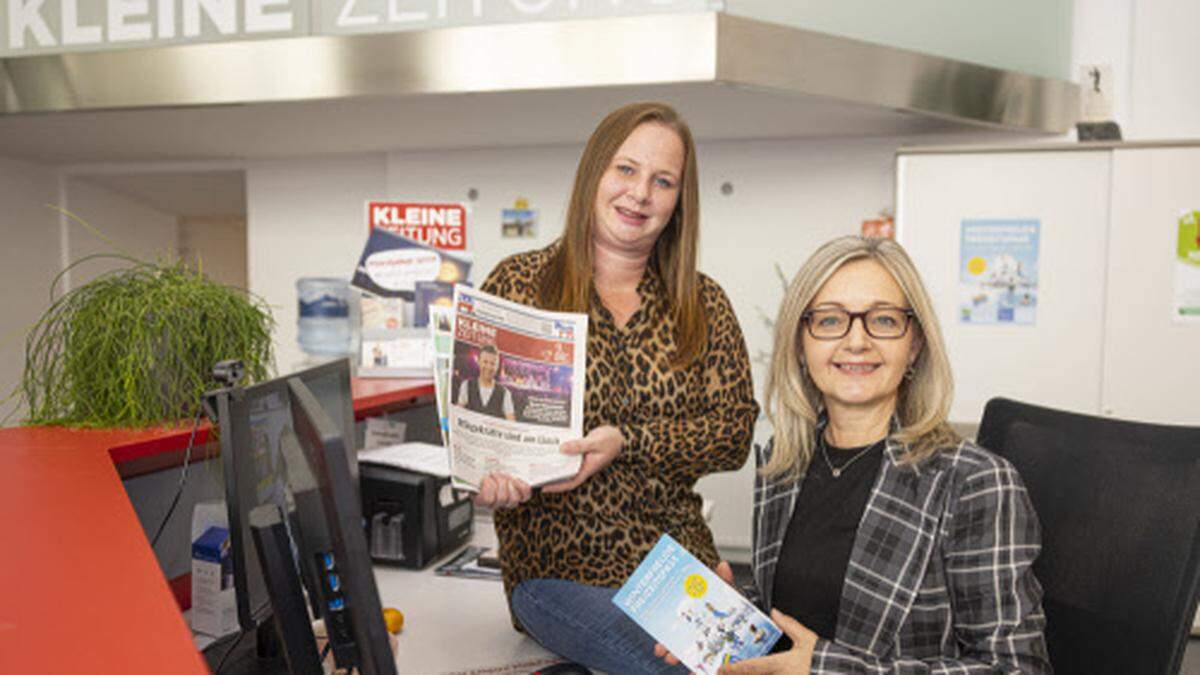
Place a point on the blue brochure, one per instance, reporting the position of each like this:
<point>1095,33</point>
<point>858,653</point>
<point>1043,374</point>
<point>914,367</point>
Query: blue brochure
<point>692,612</point>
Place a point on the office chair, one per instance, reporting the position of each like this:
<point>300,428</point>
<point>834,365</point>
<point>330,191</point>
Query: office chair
<point>1119,505</point>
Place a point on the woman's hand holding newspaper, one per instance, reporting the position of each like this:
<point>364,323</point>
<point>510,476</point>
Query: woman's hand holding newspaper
<point>599,448</point>
<point>502,491</point>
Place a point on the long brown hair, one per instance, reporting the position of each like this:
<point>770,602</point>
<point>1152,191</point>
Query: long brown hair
<point>793,401</point>
<point>567,282</point>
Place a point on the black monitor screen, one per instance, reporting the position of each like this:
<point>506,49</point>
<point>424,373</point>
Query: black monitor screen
<point>343,578</point>
<point>253,423</point>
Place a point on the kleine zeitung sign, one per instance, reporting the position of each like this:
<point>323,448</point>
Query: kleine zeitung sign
<point>442,226</point>
<point>30,27</point>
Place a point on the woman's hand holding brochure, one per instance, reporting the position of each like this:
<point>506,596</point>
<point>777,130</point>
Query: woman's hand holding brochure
<point>724,571</point>
<point>693,612</point>
<point>796,660</point>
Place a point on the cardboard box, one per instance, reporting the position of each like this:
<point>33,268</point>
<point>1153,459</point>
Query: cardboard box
<point>214,604</point>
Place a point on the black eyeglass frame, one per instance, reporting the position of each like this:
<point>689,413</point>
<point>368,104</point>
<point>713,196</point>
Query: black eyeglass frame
<point>909,315</point>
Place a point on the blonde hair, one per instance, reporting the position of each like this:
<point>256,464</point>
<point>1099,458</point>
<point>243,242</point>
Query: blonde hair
<point>566,284</point>
<point>793,402</point>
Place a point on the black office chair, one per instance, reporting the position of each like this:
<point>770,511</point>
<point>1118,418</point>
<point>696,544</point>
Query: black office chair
<point>1119,504</point>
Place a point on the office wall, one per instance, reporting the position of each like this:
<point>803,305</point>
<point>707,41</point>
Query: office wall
<point>216,246</point>
<point>1151,47</point>
<point>1103,31</point>
<point>1027,35</point>
<point>129,226</point>
<point>305,217</point>
<point>1057,361</point>
<point>1166,69</point>
<point>29,259</point>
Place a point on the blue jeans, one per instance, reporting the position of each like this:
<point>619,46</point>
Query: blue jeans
<point>581,623</point>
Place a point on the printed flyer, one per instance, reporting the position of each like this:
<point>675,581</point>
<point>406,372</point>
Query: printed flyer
<point>441,330</point>
<point>1186,306</point>
<point>516,389</point>
<point>391,266</point>
<point>998,271</point>
<point>691,611</point>
<point>519,221</point>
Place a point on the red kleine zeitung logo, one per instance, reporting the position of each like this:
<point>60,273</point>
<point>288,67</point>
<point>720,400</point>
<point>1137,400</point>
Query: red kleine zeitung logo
<point>442,226</point>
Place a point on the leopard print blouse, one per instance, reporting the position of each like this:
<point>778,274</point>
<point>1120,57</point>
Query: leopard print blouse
<point>678,426</point>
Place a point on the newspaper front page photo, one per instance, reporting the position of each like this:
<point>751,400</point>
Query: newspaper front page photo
<point>516,391</point>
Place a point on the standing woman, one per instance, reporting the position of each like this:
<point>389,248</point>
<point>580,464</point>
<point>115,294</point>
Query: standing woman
<point>668,399</point>
<point>883,541</point>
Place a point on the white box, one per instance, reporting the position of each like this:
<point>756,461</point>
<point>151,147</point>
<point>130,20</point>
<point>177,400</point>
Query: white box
<point>214,603</point>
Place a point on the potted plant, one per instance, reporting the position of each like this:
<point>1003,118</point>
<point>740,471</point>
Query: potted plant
<point>135,346</point>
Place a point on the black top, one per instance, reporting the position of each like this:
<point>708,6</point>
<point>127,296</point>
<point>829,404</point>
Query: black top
<point>820,535</point>
<point>494,406</point>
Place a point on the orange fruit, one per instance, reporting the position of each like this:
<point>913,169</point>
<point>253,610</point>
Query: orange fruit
<point>394,619</point>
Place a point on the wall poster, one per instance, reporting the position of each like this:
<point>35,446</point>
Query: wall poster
<point>1186,305</point>
<point>998,271</point>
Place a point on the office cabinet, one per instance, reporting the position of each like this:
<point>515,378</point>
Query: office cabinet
<point>1103,340</point>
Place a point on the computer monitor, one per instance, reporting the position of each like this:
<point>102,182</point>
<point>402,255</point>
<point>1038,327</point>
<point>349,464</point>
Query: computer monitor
<point>254,423</point>
<point>336,545</point>
<point>288,451</point>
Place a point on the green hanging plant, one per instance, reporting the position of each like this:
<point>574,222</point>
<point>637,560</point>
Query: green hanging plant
<point>135,347</point>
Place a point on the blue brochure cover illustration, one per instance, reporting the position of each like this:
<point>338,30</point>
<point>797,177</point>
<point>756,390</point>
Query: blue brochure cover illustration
<point>685,606</point>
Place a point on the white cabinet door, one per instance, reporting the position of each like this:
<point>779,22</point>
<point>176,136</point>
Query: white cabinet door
<point>1057,361</point>
<point>1151,368</point>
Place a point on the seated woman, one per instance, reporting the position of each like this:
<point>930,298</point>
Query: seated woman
<point>882,542</point>
<point>668,392</point>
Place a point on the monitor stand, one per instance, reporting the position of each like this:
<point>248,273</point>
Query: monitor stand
<point>260,656</point>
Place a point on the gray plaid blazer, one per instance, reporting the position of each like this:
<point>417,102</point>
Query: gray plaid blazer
<point>940,576</point>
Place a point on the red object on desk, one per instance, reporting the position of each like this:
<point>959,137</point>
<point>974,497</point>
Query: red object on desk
<point>83,592</point>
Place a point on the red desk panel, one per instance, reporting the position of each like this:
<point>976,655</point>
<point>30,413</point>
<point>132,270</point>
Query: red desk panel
<point>84,592</point>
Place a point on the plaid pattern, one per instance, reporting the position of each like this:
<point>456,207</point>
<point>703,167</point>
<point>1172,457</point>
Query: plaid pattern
<point>940,577</point>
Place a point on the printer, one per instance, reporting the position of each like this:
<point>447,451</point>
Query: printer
<point>412,518</point>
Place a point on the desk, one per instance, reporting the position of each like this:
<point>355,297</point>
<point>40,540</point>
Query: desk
<point>83,591</point>
<point>457,625</point>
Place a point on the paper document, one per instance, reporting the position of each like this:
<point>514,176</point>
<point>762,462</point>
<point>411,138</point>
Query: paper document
<point>441,330</point>
<point>516,391</point>
<point>413,456</point>
<point>466,564</point>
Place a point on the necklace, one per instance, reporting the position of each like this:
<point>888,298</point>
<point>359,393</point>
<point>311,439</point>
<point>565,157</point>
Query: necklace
<point>837,470</point>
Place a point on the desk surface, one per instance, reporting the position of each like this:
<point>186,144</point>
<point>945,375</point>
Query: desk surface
<point>457,625</point>
<point>83,589</point>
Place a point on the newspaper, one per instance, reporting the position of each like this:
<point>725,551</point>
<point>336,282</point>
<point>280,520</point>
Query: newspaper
<point>441,329</point>
<point>516,390</point>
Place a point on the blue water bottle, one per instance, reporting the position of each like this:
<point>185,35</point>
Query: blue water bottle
<point>324,325</point>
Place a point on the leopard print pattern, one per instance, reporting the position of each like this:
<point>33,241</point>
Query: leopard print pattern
<point>678,426</point>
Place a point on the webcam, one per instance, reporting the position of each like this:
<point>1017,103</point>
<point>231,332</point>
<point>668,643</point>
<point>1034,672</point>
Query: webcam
<point>229,372</point>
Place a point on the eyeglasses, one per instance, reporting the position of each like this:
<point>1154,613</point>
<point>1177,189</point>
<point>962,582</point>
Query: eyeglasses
<point>883,323</point>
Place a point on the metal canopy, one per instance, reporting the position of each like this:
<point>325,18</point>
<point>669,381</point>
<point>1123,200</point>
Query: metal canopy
<point>714,48</point>
<point>499,85</point>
